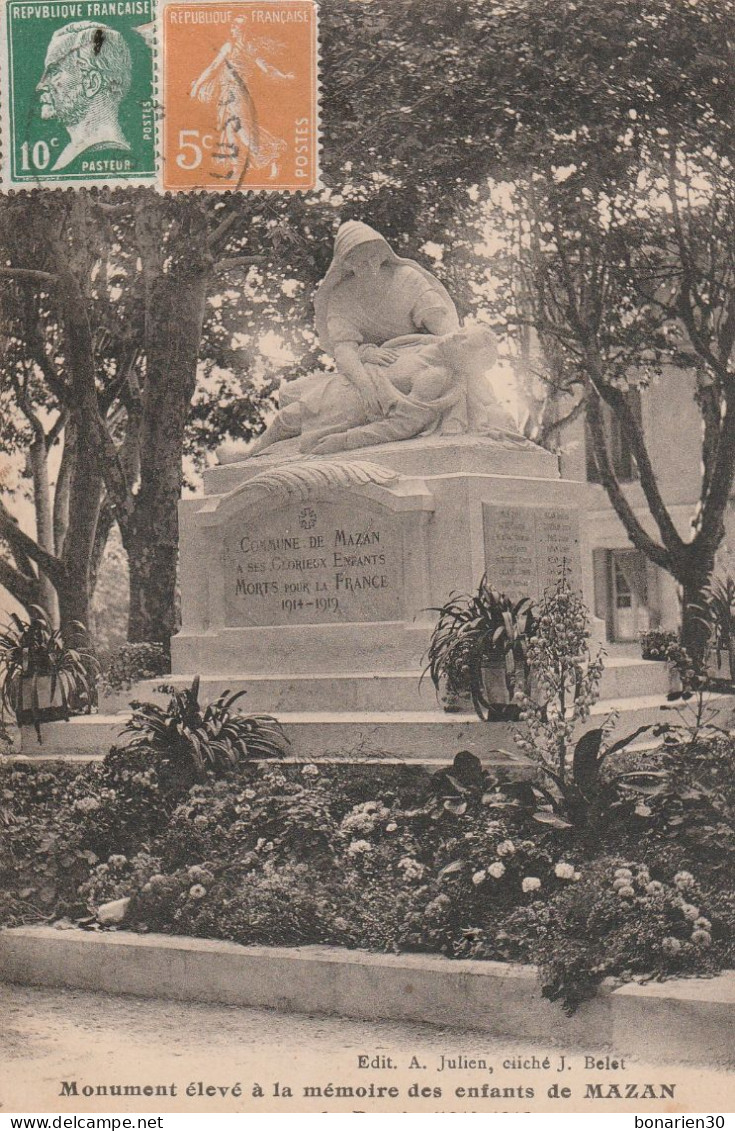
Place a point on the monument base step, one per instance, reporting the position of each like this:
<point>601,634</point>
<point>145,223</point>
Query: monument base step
<point>650,710</point>
<point>382,691</point>
<point>419,736</point>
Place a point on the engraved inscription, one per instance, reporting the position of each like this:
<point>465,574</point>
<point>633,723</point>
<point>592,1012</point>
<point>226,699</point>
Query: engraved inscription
<point>526,548</point>
<point>324,563</point>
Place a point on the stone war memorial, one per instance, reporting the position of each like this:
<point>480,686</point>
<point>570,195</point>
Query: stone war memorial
<point>312,567</point>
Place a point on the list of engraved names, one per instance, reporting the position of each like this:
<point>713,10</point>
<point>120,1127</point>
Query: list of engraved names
<point>526,548</point>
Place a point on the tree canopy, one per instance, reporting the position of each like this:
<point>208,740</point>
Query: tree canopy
<point>564,167</point>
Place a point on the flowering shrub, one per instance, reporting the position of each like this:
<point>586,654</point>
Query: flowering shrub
<point>61,822</point>
<point>234,818</point>
<point>31,868</point>
<point>567,679</point>
<point>689,815</point>
<point>6,740</point>
<point>131,663</point>
<point>617,921</point>
<point>387,859</point>
<point>117,876</point>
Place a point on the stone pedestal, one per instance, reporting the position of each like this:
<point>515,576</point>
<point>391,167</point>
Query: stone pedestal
<point>310,581</point>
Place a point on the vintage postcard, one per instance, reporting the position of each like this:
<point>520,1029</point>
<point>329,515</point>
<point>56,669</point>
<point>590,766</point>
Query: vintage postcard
<point>367,648</point>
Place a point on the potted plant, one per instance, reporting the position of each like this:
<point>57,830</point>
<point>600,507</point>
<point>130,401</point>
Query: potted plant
<point>479,647</point>
<point>655,644</point>
<point>41,680</point>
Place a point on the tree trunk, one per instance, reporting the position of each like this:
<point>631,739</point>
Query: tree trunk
<point>695,631</point>
<point>105,523</point>
<point>85,498</point>
<point>87,428</point>
<point>22,587</point>
<point>63,485</point>
<point>38,460</point>
<point>174,327</point>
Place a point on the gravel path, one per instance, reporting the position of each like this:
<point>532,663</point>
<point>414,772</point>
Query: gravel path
<point>49,1036</point>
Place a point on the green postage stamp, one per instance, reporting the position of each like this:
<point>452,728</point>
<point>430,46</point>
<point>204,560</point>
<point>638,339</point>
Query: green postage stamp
<point>79,92</point>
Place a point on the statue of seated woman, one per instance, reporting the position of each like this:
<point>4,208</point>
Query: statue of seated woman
<point>404,367</point>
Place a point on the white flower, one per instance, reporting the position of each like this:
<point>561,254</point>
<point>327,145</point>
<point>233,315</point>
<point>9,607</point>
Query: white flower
<point>391,827</point>
<point>310,770</point>
<point>689,911</point>
<point>654,887</point>
<point>198,875</point>
<point>411,868</point>
<point>478,877</point>
<point>702,938</point>
<point>362,819</point>
<point>505,848</point>
<point>670,945</point>
<point>703,924</point>
<point>626,892</point>
<point>530,883</point>
<point>642,810</point>
<point>564,871</point>
<point>623,874</point>
<point>358,847</point>
<point>87,804</point>
<point>117,861</point>
<point>496,870</point>
<point>683,880</point>
<point>341,924</point>
<point>196,891</point>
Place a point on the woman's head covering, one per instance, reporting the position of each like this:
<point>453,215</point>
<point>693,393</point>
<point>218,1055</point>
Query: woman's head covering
<point>352,234</point>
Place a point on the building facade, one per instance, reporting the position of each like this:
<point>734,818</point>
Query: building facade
<point>631,594</point>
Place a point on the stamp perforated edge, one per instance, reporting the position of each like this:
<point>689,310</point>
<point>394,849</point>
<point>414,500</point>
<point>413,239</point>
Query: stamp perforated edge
<point>244,190</point>
<point>10,187</point>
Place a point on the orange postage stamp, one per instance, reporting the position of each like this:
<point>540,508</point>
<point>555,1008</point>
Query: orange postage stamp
<point>240,95</point>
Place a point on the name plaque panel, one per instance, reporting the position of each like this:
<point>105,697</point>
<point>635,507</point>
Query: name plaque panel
<point>526,548</point>
<point>314,563</point>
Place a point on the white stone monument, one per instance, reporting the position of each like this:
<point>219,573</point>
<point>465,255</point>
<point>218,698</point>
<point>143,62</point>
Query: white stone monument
<point>311,564</point>
<point>309,581</point>
<point>310,567</point>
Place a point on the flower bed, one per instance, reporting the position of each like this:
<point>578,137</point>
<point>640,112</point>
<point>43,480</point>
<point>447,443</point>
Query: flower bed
<point>390,859</point>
